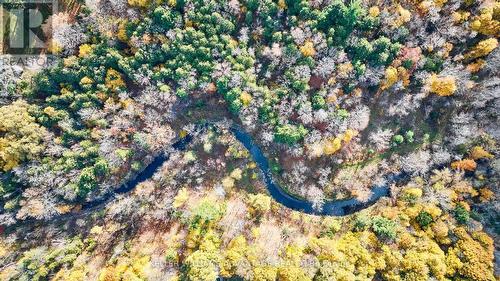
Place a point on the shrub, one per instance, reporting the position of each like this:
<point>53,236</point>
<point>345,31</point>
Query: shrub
<point>361,223</point>
<point>461,214</point>
<point>411,194</point>
<point>289,134</point>
<point>207,211</point>
<point>409,136</point>
<point>101,167</point>
<point>407,63</point>
<point>331,226</point>
<point>433,64</point>
<point>424,219</point>
<point>318,102</point>
<point>384,228</point>
<point>398,139</point>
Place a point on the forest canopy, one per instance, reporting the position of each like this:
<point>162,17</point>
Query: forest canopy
<point>338,100</point>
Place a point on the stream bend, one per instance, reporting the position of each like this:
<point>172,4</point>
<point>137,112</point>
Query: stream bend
<point>330,208</point>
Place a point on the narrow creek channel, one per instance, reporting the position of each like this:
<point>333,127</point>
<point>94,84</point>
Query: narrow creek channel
<point>330,208</point>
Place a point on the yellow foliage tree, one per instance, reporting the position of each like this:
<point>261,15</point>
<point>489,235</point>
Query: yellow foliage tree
<point>292,270</point>
<point>84,50</point>
<point>460,16</point>
<point>114,80</point>
<point>476,66</point>
<point>308,49</point>
<point>260,203</point>
<point>374,11</point>
<point>76,273</point>
<point>391,77</point>
<point>20,135</point>
<point>122,31</point>
<point>482,48</point>
<point>423,261</point>
<point>264,273</point>
<point>471,257</point>
<point>488,21</point>
<point>202,265</point>
<point>86,81</point>
<point>245,98</point>
<point>292,273</point>
<point>234,256</point>
<point>465,164</point>
<point>54,47</point>
<point>138,3</point>
<point>404,16</point>
<point>109,274</point>
<point>479,153</point>
<point>388,262</point>
<point>345,258</point>
<point>442,86</point>
<point>349,135</point>
<point>440,229</point>
<point>228,183</point>
<point>486,194</point>
<point>332,146</point>
<point>127,268</point>
<point>181,197</point>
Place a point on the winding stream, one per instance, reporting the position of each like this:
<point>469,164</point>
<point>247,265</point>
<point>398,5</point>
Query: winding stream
<point>330,208</point>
